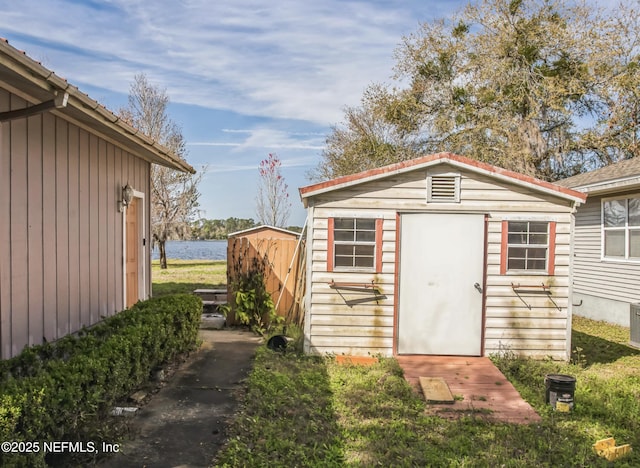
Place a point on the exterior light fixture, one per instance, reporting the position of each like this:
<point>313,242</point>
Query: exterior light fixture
<point>127,196</point>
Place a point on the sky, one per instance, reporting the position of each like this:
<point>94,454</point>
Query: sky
<point>245,78</point>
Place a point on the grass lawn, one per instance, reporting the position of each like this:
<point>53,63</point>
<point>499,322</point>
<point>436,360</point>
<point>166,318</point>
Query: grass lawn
<point>183,276</point>
<point>308,411</point>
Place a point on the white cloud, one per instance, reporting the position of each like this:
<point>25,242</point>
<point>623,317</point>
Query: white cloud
<point>216,168</point>
<point>213,143</point>
<point>269,139</point>
<point>285,59</point>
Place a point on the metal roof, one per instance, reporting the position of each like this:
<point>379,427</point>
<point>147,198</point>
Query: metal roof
<point>36,84</point>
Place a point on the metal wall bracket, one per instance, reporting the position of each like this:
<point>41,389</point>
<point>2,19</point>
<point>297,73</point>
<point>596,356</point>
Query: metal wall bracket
<point>532,289</point>
<point>354,286</point>
<point>371,289</point>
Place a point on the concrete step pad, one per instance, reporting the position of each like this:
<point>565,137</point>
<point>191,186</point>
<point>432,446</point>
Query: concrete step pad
<point>436,390</point>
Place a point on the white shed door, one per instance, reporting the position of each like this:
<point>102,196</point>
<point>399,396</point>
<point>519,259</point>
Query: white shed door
<point>441,273</point>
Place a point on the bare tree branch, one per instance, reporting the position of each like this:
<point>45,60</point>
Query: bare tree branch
<point>174,194</point>
<point>273,206</point>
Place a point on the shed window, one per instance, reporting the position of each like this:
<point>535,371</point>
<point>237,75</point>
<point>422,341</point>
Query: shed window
<point>528,246</point>
<point>443,188</point>
<point>355,244</point>
<point>621,228</point>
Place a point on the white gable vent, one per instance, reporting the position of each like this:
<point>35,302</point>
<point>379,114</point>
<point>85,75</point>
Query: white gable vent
<point>443,188</point>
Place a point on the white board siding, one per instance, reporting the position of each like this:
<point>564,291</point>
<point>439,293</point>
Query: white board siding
<point>361,345</point>
<point>351,331</point>
<point>617,280</point>
<point>503,335</point>
<point>534,348</point>
<point>336,347</point>
<point>520,311</point>
<point>348,321</point>
<point>535,323</point>
<point>536,327</point>
<point>351,319</point>
<point>507,300</point>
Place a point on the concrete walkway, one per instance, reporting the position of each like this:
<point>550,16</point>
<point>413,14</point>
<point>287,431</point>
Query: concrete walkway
<point>480,388</point>
<point>183,425</point>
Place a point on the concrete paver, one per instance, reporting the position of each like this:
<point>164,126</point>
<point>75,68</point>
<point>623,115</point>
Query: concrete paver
<point>479,388</point>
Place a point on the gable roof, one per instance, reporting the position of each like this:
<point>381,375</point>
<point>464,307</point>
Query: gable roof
<point>618,176</point>
<point>264,227</point>
<point>441,158</point>
<point>36,84</point>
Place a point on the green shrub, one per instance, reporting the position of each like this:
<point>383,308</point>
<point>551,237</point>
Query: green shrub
<point>58,391</point>
<point>248,268</point>
<point>252,303</point>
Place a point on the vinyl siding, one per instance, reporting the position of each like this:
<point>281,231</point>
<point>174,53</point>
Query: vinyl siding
<point>61,232</point>
<point>593,276</point>
<point>354,322</point>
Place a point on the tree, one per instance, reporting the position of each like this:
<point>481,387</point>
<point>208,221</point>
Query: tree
<point>365,140</point>
<point>272,202</point>
<point>219,228</point>
<point>544,87</point>
<point>174,194</point>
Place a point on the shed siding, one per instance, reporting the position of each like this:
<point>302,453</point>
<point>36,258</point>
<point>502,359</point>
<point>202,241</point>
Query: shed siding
<point>346,322</point>
<point>61,233</point>
<point>593,276</point>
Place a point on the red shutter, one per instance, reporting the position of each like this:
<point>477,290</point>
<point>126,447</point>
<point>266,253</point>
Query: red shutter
<point>503,247</point>
<point>330,244</point>
<point>551,265</point>
<point>379,222</point>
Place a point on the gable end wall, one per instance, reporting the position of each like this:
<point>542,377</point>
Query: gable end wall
<point>345,322</point>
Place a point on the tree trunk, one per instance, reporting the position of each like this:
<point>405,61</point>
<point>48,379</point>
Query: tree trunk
<point>163,255</point>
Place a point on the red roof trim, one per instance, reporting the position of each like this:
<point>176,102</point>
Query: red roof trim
<point>551,267</point>
<point>504,244</point>
<point>407,165</point>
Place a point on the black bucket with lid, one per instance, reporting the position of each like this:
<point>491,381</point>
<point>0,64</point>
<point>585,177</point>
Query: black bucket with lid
<point>560,390</point>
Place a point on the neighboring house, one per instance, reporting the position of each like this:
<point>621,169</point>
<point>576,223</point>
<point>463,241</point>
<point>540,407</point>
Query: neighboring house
<point>439,255</point>
<point>607,242</point>
<point>71,252</point>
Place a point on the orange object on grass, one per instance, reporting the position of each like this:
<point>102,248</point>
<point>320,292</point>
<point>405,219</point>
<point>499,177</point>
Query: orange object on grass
<point>357,360</point>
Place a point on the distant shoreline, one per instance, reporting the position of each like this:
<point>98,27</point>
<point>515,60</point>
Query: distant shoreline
<point>193,250</point>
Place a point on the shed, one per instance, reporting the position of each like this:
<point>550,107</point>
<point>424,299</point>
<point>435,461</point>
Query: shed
<point>271,250</point>
<point>72,250</point>
<point>606,279</point>
<point>439,255</point>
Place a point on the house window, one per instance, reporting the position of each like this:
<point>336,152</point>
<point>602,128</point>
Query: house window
<point>355,244</point>
<point>443,188</point>
<point>621,228</point>
<point>528,246</point>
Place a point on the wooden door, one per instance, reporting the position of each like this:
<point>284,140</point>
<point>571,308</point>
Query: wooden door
<point>440,292</point>
<point>132,264</point>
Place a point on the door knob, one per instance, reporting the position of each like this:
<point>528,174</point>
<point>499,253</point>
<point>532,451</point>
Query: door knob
<point>478,287</point>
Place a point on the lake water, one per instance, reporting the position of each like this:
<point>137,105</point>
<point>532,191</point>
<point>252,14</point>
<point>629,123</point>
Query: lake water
<point>194,250</point>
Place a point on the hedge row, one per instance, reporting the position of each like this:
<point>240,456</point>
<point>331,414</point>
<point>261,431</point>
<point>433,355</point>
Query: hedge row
<point>58,391</point>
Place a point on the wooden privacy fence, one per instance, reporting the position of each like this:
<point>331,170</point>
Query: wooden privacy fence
<point>276,252</point>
